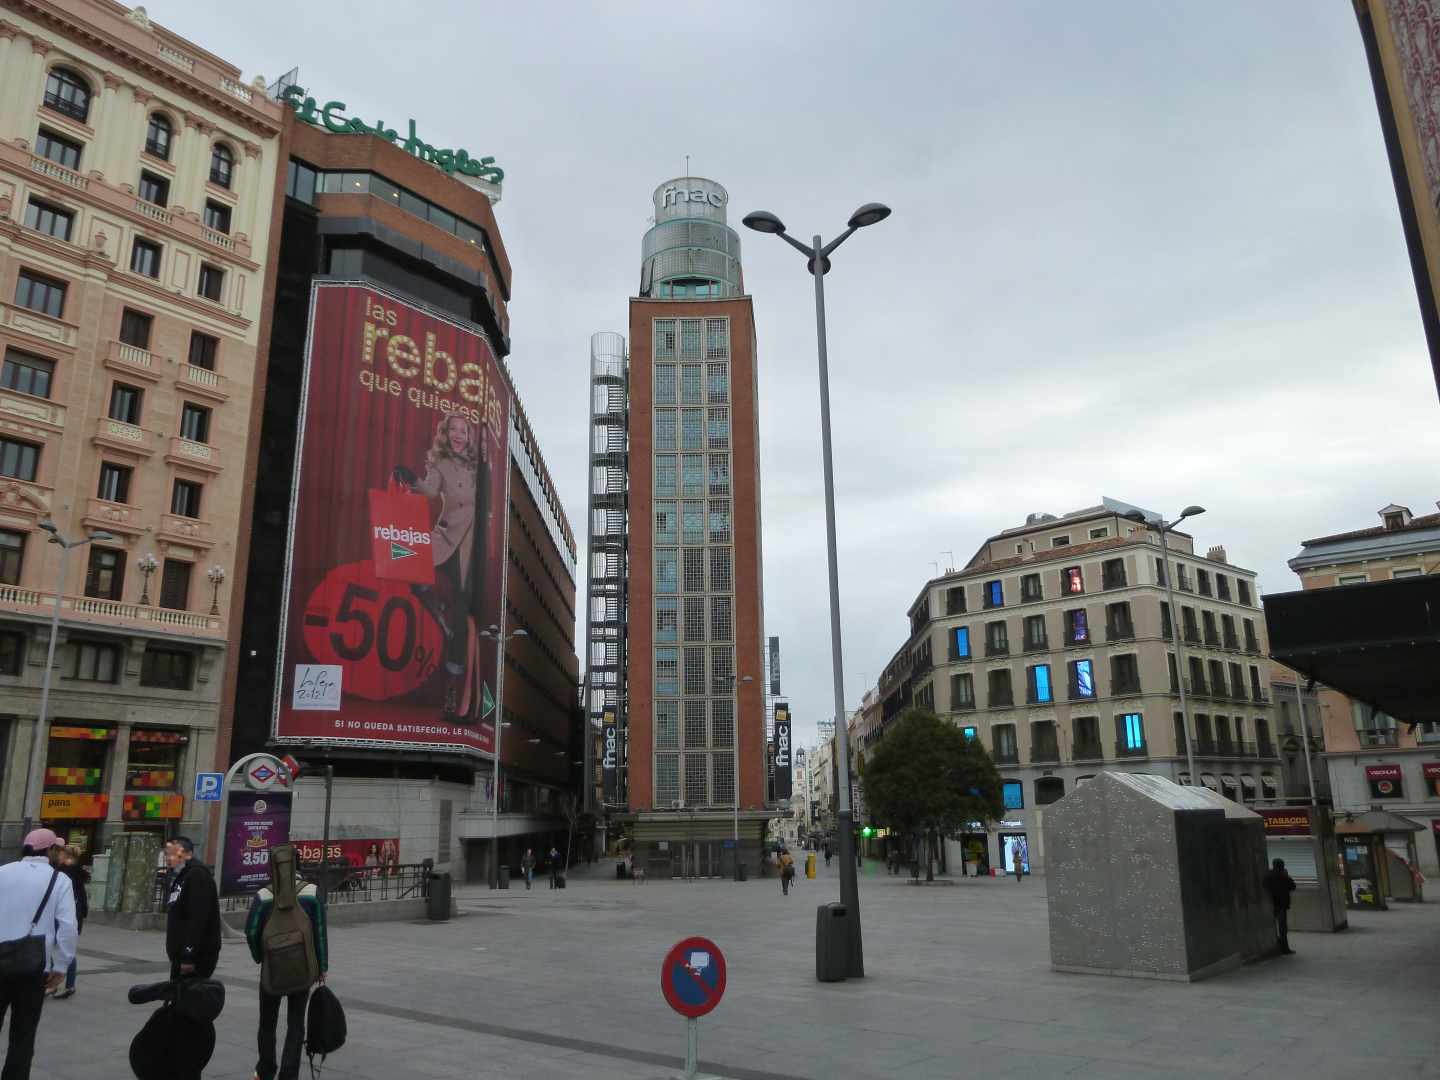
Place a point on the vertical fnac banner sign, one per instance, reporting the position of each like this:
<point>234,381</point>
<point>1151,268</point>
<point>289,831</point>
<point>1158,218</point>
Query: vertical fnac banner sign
<point>774,648</point>
<point>397,545</point>
<point>610,759</point>
<point>784,751</point>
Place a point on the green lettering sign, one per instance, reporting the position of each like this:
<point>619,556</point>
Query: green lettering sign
<point>331,116</point>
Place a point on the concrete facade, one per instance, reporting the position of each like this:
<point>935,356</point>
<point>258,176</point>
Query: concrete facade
<point>1359,740</point>
<point>136,182</point>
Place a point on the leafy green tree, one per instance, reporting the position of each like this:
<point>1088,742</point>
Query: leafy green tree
<point>925,778</point>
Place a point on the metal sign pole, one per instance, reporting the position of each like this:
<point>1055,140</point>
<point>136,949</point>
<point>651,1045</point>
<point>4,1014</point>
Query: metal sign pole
<point>692,1048</point>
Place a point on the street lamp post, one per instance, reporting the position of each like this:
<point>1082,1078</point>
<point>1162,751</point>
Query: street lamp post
<point>147,565</point>
<point>216,576</point>
<point>1158,525</point>
<point>34,781</point>
<point>492,633</point>
<point>817,256</point>
<point>735,767</point>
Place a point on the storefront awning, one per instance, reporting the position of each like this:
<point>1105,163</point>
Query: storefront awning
<point>1378,643</point>
<point>1376,821</point>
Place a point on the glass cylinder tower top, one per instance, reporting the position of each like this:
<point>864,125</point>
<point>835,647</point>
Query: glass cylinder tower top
<point>690,253</point>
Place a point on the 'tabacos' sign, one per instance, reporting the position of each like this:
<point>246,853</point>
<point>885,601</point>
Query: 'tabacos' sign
<point>331,117</point>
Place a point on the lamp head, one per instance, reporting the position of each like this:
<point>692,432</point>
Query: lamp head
<point>1191,511</point>
<point>101,534</point>
<point>521,633</point>
<point>871,213</point>
<point>50,527</point>
<point>764,221</point>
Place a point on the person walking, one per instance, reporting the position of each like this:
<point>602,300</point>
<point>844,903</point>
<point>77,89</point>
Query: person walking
<point>303,894</point>
<point>827,852</point>
<point>1279,884</point>
<point>71,867</point>
<point>787,871</point>
<point>36,900</point>
<point>527,867</point>
<point>554,867</point>
<point>192,914</point>
<point>1017,860</point>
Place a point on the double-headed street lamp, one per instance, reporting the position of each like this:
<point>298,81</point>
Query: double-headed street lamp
<point>34,781</point>
<point>817,256</point>
<point>1158,525</point>
<point>492,633</point>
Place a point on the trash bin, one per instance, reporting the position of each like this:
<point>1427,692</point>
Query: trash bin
<point>742,872</point>
<point>619,871</point>
<point>832,942</point>
<point>504,877</point>
<point>439,899</point>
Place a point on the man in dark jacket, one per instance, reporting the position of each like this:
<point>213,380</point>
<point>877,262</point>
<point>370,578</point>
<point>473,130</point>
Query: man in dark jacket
<point>1279,884</point>
<point>192,914</point>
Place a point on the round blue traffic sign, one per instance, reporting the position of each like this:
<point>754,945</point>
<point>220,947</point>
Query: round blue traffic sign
<point>692,977</point>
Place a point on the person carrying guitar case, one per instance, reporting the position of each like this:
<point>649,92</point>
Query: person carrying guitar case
<point>287,938</point>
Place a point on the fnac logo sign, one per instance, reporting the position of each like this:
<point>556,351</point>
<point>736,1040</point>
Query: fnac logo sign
<point>609,758</point>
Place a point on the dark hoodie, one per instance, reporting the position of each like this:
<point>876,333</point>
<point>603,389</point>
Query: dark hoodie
<point>192,921</point>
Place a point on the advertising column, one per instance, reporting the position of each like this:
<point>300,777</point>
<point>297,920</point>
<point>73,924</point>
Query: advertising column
<point>396,553</point>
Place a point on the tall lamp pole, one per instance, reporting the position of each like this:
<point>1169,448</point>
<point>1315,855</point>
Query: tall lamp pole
<point>1158,525</point>
<point>817,255</point>
<point>735,766</point>
<point>492,633</point>
<point>34,780</point>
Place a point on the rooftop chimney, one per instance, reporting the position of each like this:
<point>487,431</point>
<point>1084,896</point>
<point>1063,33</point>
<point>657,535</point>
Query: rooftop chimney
<point>1217,554</point>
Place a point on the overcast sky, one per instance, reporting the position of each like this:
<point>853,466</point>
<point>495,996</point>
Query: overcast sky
<point>1139,250</point>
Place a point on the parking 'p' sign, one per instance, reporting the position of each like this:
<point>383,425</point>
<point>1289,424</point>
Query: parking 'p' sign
<point>208,786</point>
<point>692,978</point>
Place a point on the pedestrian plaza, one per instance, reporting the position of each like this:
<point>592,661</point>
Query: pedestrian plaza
<point>566,984</point>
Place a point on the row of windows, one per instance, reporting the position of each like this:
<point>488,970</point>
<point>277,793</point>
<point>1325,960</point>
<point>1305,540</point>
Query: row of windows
<point>93,661</point>
<point>698,384</point>
<point>718,733</point>
<point>1119,626</point>
<point>670,579</point>
<point>692,476</point>
<point>68,93</point>
<point>1129,738</point>
<point>42,293</point>
<point>709,779</point>
<point>304,182</point>
<point>683,671</point>
<point>21,461</point>
<point>696,522</point>
<point>1050,789</point>
<point>1072,582</point>
<point>1124,681</point>
<point>104,573</point>
<point>674,623</point>
<point>698,429</point>
<point>699,339</point>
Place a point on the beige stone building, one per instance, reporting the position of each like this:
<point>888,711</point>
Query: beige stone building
<point>1053,645</point>
<point>137,186</point>
<point>1373,761</point>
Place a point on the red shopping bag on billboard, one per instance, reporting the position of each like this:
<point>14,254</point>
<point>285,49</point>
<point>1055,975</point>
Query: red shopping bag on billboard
<point>400,535</point>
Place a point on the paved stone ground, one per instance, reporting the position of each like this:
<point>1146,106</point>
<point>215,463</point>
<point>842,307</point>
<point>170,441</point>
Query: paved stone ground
<point>564,984</point>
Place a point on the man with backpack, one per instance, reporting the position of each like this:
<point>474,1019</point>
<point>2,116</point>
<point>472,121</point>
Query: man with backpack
<point>286,934</point>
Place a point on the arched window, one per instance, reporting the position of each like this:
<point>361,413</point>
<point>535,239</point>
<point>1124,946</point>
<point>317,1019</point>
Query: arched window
<point>157,137</point>
<point>66,92</point>
<point>1049,789</point>
<point>222,165</point>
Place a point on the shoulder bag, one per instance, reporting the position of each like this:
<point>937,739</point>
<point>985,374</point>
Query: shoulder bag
<point>22,957</point>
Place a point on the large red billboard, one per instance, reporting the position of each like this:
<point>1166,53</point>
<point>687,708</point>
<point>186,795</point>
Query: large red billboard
<point>397,530</point>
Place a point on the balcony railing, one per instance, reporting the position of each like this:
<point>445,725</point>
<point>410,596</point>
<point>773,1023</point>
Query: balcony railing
<point>22,320</point>
<point>1041,645</point>
<point>1120,632</point>
<point>1049,754</point>
<point>1260,697</point>
<point>1212,639</point>
<point>997,648</point>
<point>1002,698</point>
<point>203,381</point>
<point>46,167</point>
<point>1378,736</point>
<point>1266,749</point>
<point>105,610</point>
<point>1252,645</point>
<point>1123,751</point>
<point>123,436</point>
<point>1002,755</point>
<point>1087,750</point>
<point>1192,636</point>
<point>1232,642</point>
<point>1124,686</point>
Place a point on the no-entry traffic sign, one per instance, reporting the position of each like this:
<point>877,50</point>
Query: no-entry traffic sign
<point>692,977</point>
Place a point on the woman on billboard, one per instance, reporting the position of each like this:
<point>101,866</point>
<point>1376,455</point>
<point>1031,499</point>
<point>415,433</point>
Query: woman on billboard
<point>454,474</point>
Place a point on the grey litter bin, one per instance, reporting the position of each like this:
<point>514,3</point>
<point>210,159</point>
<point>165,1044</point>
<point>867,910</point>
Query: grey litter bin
<point>742,872</point>
<point>832,940</point>
<point>504,878</point>
<point>439,899</point>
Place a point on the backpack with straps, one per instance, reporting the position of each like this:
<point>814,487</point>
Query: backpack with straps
<point>288,963</point>
<point>324,1027</point>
